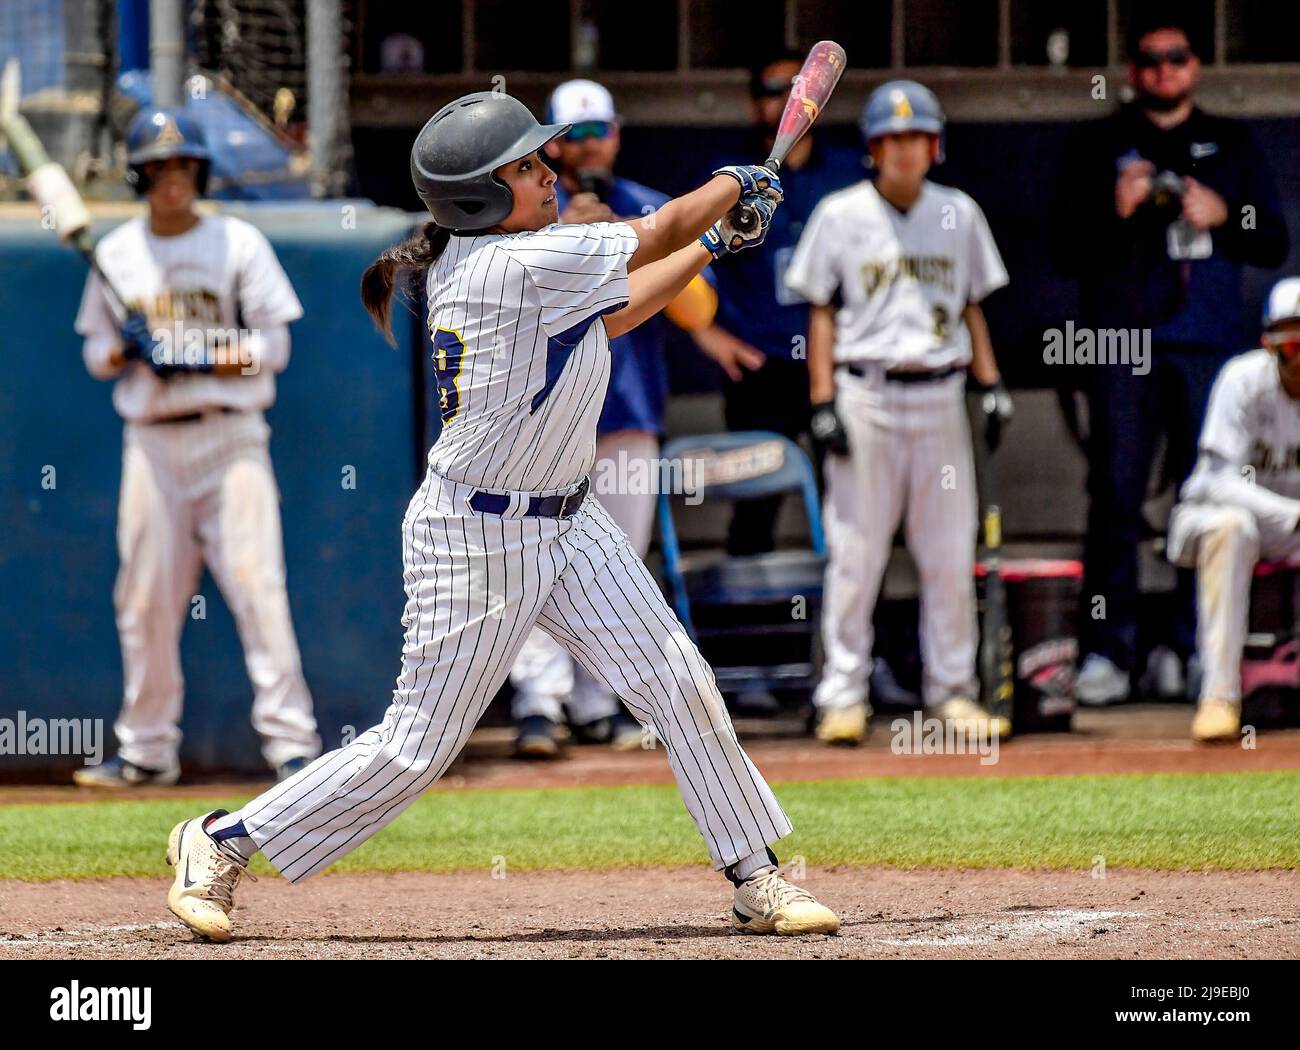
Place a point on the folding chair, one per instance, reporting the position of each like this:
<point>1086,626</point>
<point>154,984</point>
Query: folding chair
<point>744,609</point>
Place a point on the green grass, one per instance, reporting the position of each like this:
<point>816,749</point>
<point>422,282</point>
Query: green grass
<point>1168,821</point>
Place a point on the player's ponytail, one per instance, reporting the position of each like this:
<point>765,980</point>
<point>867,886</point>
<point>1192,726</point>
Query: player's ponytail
<point>415,254</point>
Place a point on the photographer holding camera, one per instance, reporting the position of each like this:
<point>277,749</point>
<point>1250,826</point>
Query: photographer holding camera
<point>1160,207</point>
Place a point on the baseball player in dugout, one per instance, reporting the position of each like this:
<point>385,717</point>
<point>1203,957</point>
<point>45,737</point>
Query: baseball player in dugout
<point>194,356</point>
<point>1160,206</point>
<point>759,339</point>
<point>546,679</point>
<point>895,269</point>
<point>1242,502</point>
<point>501,535</point>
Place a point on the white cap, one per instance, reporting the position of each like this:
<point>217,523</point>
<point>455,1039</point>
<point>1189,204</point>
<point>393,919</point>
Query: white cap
<point>576,101</point>
<point>1283,302</point>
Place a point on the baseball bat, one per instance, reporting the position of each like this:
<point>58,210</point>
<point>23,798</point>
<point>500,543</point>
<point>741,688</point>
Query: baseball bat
<point>809,94</point>
<point>48,183</point>
<point>996,659</point>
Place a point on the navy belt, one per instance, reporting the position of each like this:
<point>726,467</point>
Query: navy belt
<point>906,375</point>
<point>557,506</point>
<point>194,417</point>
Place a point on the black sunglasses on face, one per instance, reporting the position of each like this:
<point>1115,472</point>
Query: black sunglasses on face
<point>1175,56</point>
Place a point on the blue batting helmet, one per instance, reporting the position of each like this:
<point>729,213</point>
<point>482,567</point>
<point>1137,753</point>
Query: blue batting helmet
<point>898,106</point>
<point>157,134</point>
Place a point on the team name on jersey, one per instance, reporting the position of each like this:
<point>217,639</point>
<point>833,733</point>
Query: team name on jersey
<point>1271,459</point>
<point>197,304</point>
<point>937,270</point>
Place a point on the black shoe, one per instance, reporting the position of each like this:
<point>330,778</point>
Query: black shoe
<point>626,733</point>
<point>597,731</point>
<point>293,766</point>
<point>117,773</point>
<point>537,738</point>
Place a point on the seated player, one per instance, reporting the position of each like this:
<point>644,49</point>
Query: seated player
<point>1242,502</point>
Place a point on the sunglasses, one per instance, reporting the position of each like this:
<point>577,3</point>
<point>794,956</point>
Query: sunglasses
<point>1175,56</point>
<point>1287,344</point>
<point>589,129</point>
<point>774,86</point>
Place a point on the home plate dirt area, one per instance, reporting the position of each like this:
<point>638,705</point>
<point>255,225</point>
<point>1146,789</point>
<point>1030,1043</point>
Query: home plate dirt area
<point>674,914</point>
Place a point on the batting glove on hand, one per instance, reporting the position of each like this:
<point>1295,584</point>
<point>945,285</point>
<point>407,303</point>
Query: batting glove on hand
<point>139,344</point>
<point>996,405</point>
<point>137,340</point>
<point>755,178</point>
<point>725,235</point>
<point>828,429</point>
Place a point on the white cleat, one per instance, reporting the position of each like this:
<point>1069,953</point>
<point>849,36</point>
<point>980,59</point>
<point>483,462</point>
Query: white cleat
<point>203,891</point>
<point>1216,721</point>
<point>767,903</point>
<point>844,725</point>
<point>968,718</point>
<point>1100,682</point>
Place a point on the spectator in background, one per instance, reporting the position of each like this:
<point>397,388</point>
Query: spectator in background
<point>758,339</point>
<point>1160,206</point>
<point>544,675</point>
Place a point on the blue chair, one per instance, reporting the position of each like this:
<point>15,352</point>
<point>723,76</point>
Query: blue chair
<point>739,466</point>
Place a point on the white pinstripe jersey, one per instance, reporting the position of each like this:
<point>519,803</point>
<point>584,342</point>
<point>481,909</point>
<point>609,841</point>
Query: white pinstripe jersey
<point>521,357</point>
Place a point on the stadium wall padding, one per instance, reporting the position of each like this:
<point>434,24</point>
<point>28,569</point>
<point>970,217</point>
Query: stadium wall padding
<point>346,400</point>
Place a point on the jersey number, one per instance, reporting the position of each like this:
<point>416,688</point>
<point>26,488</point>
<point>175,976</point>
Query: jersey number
<point>942,323</point>
<point>448,356</point>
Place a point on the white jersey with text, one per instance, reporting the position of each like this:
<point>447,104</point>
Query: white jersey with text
<point>217,280</point>
<point>521,358</point>
<point>900,280</point>
<point>1252,422</point>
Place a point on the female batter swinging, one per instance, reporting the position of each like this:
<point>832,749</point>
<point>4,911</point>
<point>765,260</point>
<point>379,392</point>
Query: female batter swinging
<point>500,535</point>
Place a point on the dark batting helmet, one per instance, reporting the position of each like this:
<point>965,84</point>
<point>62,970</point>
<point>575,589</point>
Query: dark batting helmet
<point>157,134</point>
<point>462,144</point>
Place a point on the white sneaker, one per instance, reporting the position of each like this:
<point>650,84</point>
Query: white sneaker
<point>1100,682</point>
<point>767,903</point>
<point>1163,677</point>
<point>203,891</point>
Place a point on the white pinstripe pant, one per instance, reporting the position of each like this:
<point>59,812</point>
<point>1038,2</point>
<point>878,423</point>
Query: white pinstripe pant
<point>544,676</point>
<point>475,586</point>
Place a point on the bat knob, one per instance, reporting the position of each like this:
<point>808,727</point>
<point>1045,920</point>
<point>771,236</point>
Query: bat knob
<point>744,218</point>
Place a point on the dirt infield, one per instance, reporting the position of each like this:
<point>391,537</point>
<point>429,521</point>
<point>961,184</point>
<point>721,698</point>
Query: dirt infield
<point>674,914</point>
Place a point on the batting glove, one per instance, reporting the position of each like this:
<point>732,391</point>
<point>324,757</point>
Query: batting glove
<point>725,235</point>
<point>828,429</point>
<point>996,405</point>
<point>755,178</point>
<point>137,340</point>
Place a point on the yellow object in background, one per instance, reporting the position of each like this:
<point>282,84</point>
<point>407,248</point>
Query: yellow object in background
<point>694,307</point>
